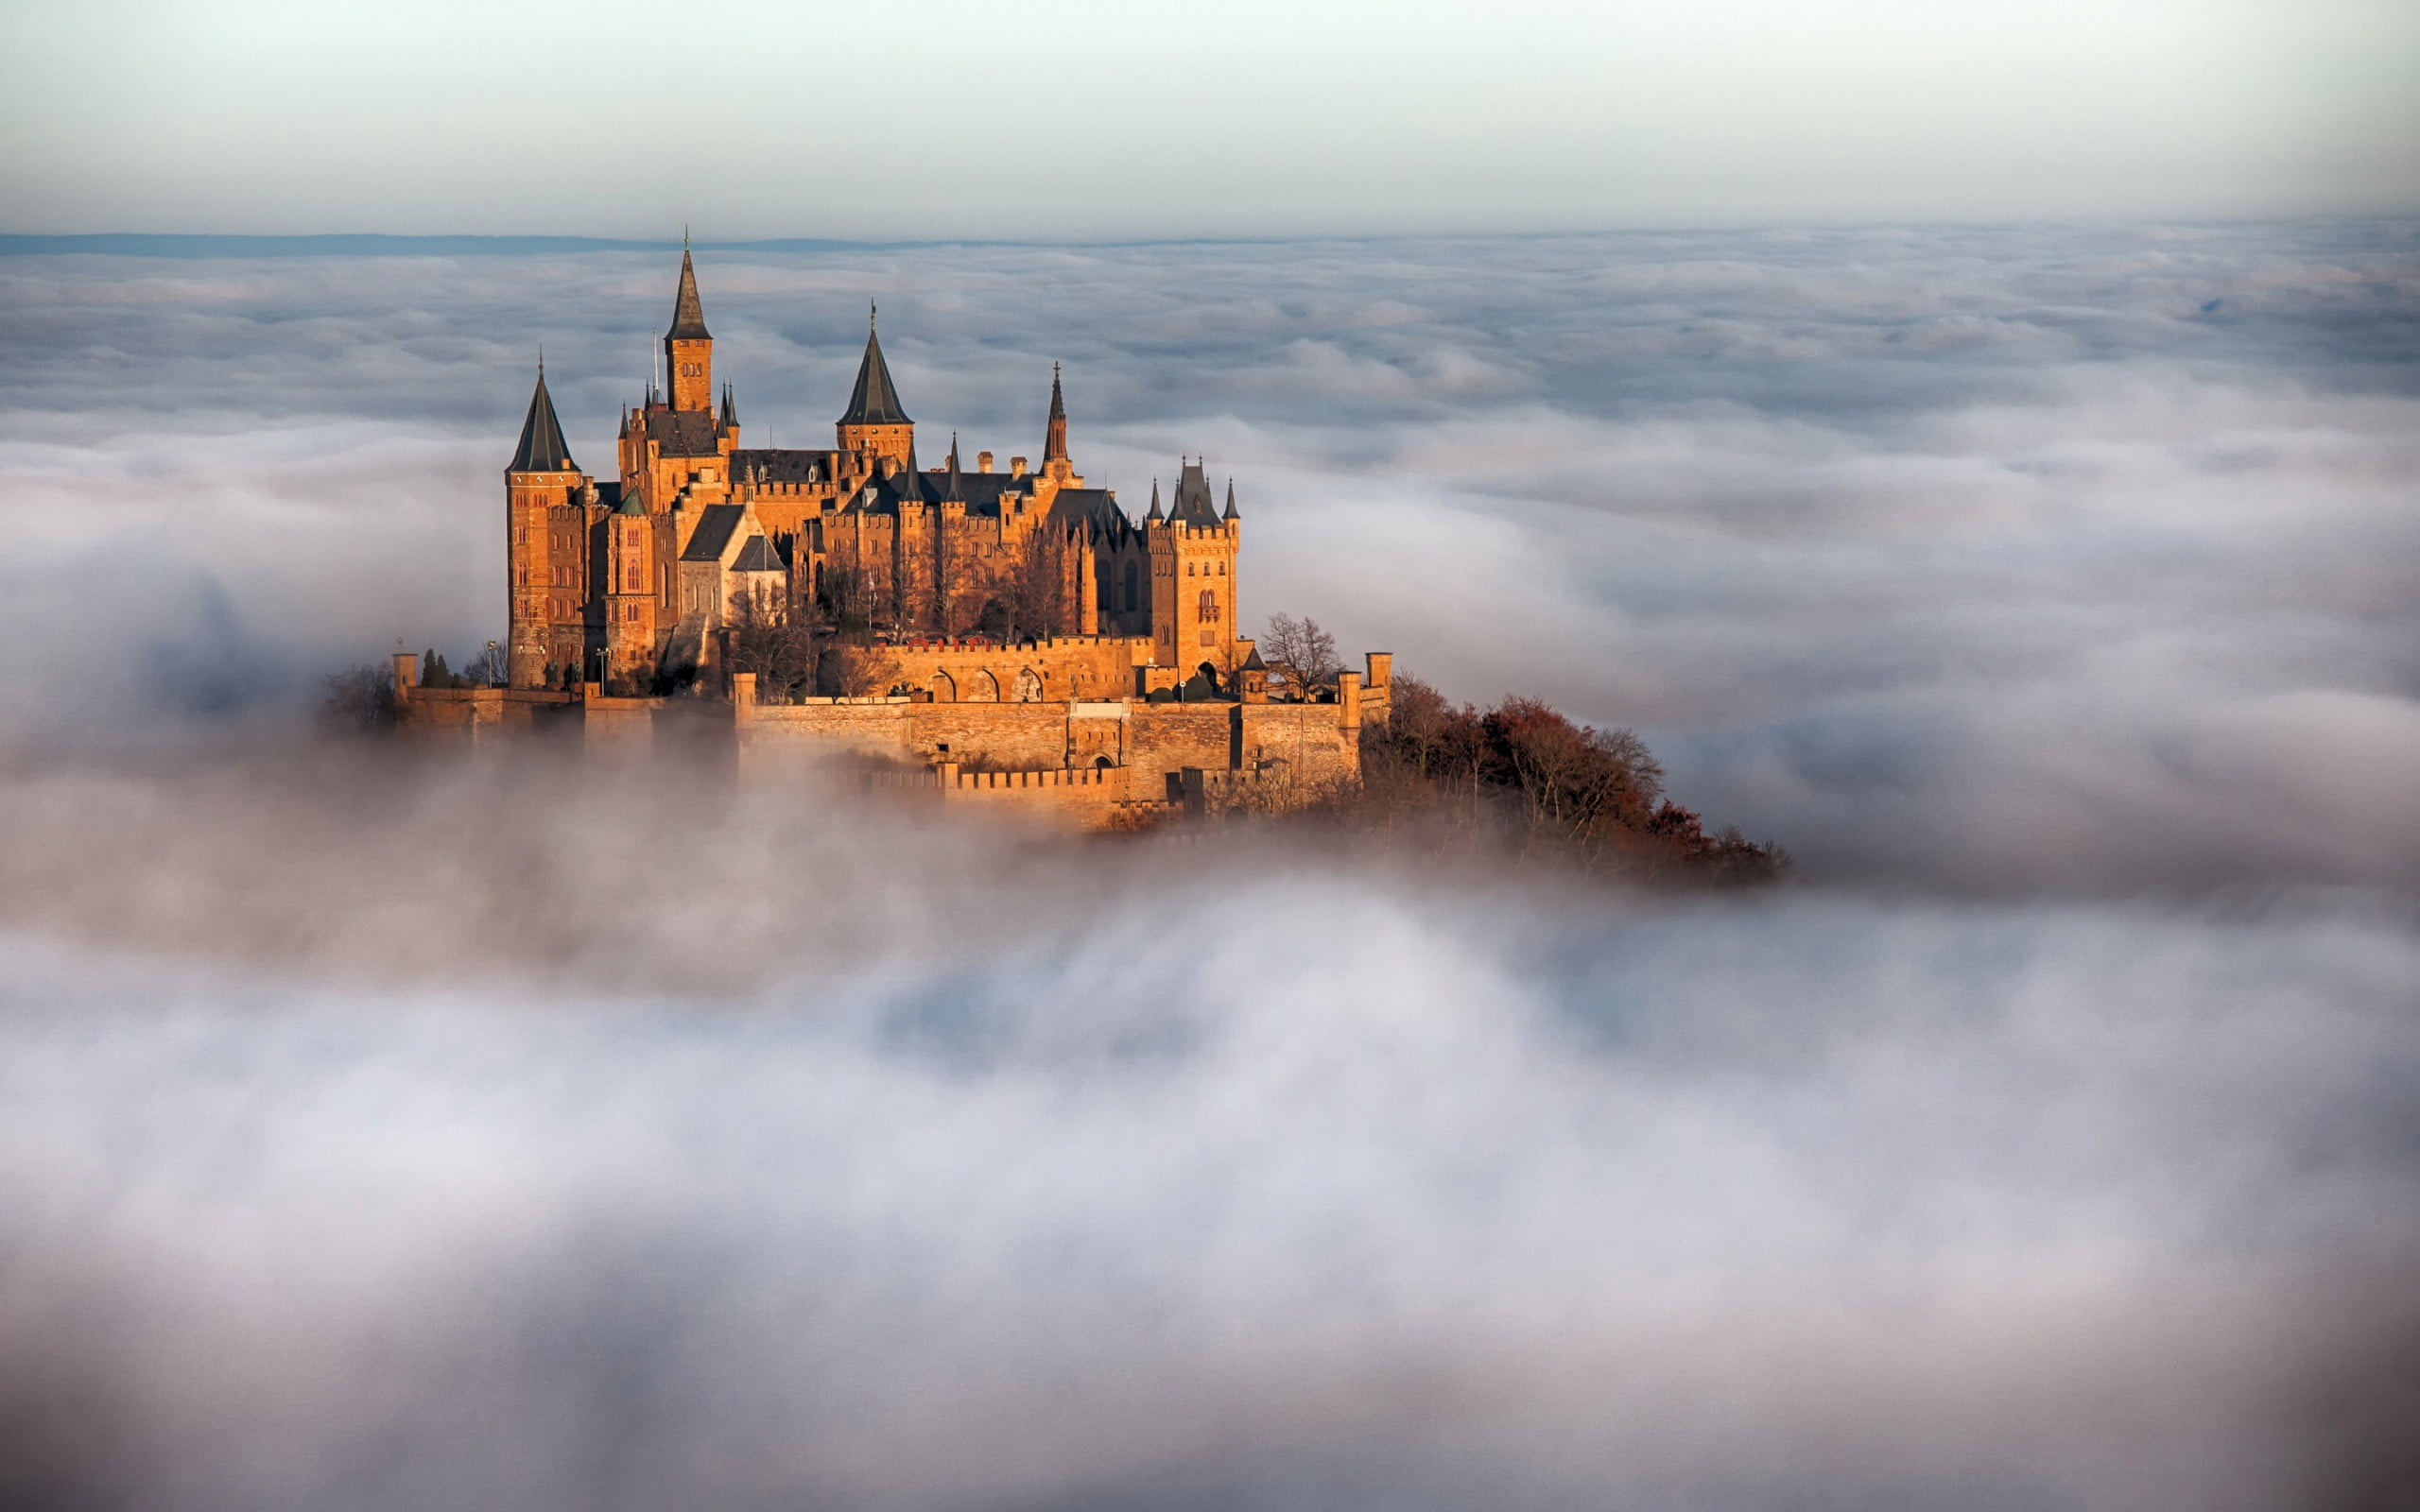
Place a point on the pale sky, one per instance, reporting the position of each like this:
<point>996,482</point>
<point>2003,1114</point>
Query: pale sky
<point>1080,119</point>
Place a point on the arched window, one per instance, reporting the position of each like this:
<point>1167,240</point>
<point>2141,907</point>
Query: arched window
<point>1208,612</point>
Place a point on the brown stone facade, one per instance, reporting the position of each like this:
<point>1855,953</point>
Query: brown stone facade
<point>1029,625</point>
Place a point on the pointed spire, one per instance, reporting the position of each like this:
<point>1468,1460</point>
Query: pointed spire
<point>1054,434</point>
<point>874,401</point>
<point>688,316</point>
<point>1230,502</point>
<point>542,448</point>
<point>956,486</point>
<point>1155,502</point>
<point>730,410</point>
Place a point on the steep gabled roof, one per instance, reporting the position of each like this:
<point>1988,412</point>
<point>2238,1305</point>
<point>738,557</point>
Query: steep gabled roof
<point>542,448</point>
<point>713,533</point>
<point>756,557</point>
<point>1193,506</point>
<point>874,401</point>
<point>688,316</point>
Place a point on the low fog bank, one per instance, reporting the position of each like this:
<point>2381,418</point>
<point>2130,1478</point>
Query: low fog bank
<point>378,1132</point>
<point>1197,1186</point>
<point>2036,559</point>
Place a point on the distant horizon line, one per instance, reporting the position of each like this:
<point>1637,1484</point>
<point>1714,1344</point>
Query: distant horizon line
<point>272,243</point>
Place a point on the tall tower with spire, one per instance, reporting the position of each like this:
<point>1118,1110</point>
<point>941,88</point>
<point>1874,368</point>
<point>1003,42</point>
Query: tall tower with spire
<point>1054,436</point>
<point>689,348</point>
<point>875,424</point>
<point>546,574</point>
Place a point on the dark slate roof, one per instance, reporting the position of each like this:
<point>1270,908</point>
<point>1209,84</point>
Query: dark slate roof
<point>631,506</point>
<point>688,317</point>
<point>608,494</point>
<point>756,557</point>
<point>681,432</point>
<point>1094,506</point>
<point>731,417</point>
<point>874,402</point>
<point>1230,502</point>
<point>713,533</point>
<point>542,448</point>
<point>783,466</point>
<point>981,491</point>
<point>1193,506</point>
<point>1252,661</point>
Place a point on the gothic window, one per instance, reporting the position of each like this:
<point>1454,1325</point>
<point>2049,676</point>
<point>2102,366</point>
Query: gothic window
<point>1208,612</point>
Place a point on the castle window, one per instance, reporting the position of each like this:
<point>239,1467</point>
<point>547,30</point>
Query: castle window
<point>1208,612</point>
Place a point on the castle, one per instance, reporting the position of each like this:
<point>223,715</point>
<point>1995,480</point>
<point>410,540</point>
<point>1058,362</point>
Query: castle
<point>1022,624</point>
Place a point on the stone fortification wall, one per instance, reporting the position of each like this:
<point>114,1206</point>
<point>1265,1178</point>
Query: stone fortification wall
<point>1087,797</point>
<point>1062,668</point>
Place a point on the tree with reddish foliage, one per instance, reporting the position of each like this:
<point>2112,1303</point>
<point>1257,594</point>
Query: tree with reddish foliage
<point>1525,772</point>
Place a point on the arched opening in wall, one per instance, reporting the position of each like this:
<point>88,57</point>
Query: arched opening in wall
<point>1103,764</point>
<point>944,688</point>
<point>984,688</point>
<point>1029,686</point>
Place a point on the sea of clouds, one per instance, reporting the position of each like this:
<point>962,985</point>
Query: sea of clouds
<point>380,1132</point>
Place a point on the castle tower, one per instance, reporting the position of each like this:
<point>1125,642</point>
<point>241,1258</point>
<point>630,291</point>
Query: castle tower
<point>874,423</point>
<point>629,597</point>
<point>1193,575</point>
<point>1054,437</point>
<point>541,479</point>
<point>688,349</point>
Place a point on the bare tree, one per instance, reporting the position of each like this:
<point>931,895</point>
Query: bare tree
<point>847,596</point>
<point>850,669</point>
<point>773,640</point>
<point>1304,652</point>
<point>359,701</point>
<point>1035,589</point>
<point>492,668</point>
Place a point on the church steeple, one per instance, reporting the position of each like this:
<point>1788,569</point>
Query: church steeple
<point>874,422</point>
<point>689,347</point>
<point>1054,436</point>
<point>542,448</point>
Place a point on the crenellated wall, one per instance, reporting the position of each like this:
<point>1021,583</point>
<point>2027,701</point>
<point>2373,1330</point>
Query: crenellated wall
<point>1101,760</point>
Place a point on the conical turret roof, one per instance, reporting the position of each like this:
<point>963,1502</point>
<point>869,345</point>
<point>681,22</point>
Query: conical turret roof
<point>873,402</point>
<point>688,316</point>
<point>954,486</point>
<point>1230,502</point>
<point>1155,501</point>
<point>542,448</point>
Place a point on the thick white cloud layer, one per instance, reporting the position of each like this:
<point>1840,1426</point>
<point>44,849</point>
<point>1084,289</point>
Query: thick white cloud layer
<point>383,1133</point>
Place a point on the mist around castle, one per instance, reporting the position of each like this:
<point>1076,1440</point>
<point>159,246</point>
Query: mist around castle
<point>1760,869</point>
